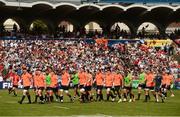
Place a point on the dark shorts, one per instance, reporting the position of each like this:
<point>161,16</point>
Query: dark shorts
<point>142,86</point>
<point>35,88</point>
<point>117,88</point>
<point>55,89</point>
<point>163,86</point>
<point>16,86</point>
<point>75,86</point>
<point>168,87</point>
<point>49,88</point>
<point>64,87</point>
<point>128,88</point>
<point>27,88</point>
<point>88,88</point>
<point>81,86</point>
<point>100,87</point>
<point>41,88</point>
<point>150,88</point>
<point>108,87</point>
<point>157,89</point>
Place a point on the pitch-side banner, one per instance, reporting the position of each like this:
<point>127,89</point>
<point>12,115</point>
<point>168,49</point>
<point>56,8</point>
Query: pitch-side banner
<point>6,85</point>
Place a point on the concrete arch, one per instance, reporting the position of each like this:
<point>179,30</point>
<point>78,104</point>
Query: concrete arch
<point>162,6</point>
<point>3,1</point>
<point>113,5</point>
<point>136,6</point>
<point>161,28</point>
<point>87,5</point>
<point>66,4</point>
<point>89,29</point>
<point>67,20</point>
<point>41,2</point>
<point>48,23</point>
<point>177,8</point>
<point>18,20</point>
<point>88,21</point>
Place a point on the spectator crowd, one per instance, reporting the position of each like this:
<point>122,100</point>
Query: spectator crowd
<point>74,55</point>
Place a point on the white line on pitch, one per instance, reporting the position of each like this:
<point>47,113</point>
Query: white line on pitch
<point>61,107</point>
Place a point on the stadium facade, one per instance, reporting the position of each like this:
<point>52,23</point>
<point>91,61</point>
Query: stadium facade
<point>106,12</point>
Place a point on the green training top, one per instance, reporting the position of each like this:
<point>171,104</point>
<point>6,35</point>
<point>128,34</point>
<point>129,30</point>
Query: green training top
<point>128,80</point>
<point>75,79</point>
<point>48,79</point>
<point>142,78</point>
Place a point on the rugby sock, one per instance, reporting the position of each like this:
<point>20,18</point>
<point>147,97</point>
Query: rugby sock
<point>46,98</point>
<point>82,97</point>
<point>112,96</point>
<point>154,96</point>
<point>77,93</point>
<point>125,96</point>
<point>108,97</point>
<point>119,95</point>
<point>91,98</point>
<point>56,96</point>
<point>36,98</point>
<point>23,97</point>
<point>146,98</point>
<point>87,96</point>
<point>10,90</point>
<point>51,98</point>
<point>41,98</point>
<point>165,94</point>
<point>15,94</point>
<point>97,96</point>
<point>29,98</point>
<point>60,98</point>
<point>130,96</point>
<point>70,97</point>
<point>114,91</point>
<point>139,95</point>
<point>101,97</point>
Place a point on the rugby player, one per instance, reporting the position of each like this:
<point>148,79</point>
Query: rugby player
<point>88,85</point>
<point>26,79</point>
<point>40,84</point>
<point>149,78</point>
<point>99,79</point>
<point>65,85</point>
<point>82,81</point>
<point>128,86</point>
<point>117,83</point>
<point>75,82</point>
<point>158,84</point>
<point>141,83</point>
<point>14,78</point>
<point>108,84</point>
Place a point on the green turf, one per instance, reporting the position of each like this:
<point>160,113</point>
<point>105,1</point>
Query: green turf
<point>10,107</point>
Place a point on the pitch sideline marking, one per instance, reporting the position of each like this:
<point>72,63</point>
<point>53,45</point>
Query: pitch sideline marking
<point>61,107</point>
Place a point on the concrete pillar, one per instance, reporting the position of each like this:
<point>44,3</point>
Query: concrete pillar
<point>106,28</point>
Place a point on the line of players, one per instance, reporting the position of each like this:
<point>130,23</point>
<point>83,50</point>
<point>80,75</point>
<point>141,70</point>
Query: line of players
<point>117,84</point>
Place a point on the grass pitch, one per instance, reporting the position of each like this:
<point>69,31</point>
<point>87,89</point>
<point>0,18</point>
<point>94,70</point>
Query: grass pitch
<point>10,107</point>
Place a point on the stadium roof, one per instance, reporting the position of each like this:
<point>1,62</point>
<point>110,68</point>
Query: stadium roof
<point>104,13</point>
<point>76,4</point>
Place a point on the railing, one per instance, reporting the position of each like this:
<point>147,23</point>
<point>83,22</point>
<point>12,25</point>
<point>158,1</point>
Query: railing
<point>141,1</point>
<point>51,1</point>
